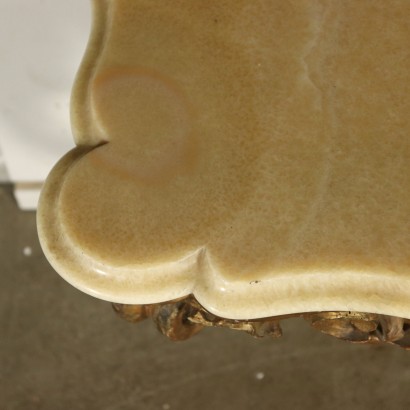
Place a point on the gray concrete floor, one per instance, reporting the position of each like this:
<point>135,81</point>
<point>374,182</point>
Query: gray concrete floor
<point>61,349</point>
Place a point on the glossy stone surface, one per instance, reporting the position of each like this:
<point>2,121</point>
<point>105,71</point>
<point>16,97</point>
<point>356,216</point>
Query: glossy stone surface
<point>254,154</point>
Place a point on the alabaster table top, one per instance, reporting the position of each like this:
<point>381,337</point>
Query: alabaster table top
<point>254,154</point>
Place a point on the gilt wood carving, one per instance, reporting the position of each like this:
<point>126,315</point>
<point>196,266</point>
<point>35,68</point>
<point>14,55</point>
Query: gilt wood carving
<point>182,319</point>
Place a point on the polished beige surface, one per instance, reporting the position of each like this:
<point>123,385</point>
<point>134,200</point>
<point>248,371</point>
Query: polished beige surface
<point>256,154</point>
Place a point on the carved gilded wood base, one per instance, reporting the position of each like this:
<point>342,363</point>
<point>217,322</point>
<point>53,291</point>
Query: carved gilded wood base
<point>183,318</point>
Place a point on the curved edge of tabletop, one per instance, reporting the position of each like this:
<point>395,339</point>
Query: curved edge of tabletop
<point>287,293</point>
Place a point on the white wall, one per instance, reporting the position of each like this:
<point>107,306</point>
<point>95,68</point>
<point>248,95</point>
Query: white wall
<point>41,46</point>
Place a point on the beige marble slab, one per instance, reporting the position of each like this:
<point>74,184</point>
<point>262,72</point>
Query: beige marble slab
<point>253,153</point>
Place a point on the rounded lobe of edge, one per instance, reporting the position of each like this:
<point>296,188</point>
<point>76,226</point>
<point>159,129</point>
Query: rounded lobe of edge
<point>280,295</point>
